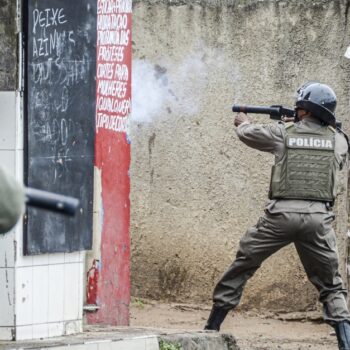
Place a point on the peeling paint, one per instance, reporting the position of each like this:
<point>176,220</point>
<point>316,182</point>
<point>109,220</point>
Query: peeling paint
<point>92,283</point>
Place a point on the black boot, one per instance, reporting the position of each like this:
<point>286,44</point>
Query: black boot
<point>342,330</point>
<point>216,317</point>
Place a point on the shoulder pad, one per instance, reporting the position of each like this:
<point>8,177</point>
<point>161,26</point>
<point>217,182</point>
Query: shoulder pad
<point>346,137</point>
<point>288,125</point>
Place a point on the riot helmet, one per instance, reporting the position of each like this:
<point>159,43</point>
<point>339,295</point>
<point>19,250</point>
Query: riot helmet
<point>319,99</point>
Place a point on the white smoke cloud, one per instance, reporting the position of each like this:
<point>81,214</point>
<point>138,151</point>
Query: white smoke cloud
<point>148,93</point>
<point>164,89</point>
<point>189,84</point>
<point>347,52</point>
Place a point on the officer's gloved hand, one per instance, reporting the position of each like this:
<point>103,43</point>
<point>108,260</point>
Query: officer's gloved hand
<point>242,118</point>
<point>287,119</point>
<point>12,201</point>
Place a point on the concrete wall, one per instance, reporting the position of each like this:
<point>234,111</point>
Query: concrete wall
<point>8,45</point>
<point>195,187</point>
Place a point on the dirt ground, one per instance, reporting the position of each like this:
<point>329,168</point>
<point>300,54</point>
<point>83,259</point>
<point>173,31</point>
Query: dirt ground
<point>252,331</point>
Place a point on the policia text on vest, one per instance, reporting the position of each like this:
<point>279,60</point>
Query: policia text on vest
<point>309,142</point>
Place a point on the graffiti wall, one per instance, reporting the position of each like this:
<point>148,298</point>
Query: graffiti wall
<point>112,159</point>
<point>60,114</point>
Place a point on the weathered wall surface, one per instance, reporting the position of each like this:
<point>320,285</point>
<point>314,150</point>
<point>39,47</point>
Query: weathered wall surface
<point>195,187</point>
<point>8,45</point>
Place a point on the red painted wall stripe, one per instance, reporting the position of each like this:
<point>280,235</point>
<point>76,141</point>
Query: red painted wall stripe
<point>112,157</point>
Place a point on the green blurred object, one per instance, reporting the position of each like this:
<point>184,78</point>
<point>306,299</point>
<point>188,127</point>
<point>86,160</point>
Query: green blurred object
<point>12,201</point>
<point>14,196</point>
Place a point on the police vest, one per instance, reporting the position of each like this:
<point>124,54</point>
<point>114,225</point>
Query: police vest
<point>308,169</point>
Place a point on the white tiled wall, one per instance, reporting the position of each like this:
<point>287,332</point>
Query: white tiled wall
<point>7,284</point>
<point>40,293</point>
<point>24,332</point>
<point>8,120</point>
<point>55,328</point>
<point>43,293</point>
<point>24,296</point>
<point>8,151</point>
<point>7,247</point>
<point>139,343</point>
<point>56,293</point>
<point>6,333</point>
<point>49,296</point>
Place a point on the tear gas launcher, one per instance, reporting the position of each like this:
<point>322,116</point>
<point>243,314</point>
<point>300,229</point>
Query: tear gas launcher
<point>275,112</point>
<point>51,201</point>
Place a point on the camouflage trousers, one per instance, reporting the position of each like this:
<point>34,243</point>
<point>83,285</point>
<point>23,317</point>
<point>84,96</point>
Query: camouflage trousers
<point>315,242</point>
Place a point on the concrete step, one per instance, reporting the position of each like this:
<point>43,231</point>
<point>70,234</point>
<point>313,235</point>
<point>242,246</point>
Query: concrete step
<point>127,338</point>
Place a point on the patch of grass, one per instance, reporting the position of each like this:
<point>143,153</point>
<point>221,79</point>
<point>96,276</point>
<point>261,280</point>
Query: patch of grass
<point>138,303</point>
<point>166,345</point>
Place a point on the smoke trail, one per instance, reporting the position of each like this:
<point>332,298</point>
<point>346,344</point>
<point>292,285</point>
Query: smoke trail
<point>167,88</point>
<point>148,93</point>
<point>170,88</point>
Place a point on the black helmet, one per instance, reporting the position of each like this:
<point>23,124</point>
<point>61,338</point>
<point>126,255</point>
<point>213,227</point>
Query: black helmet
<point>319,99</point>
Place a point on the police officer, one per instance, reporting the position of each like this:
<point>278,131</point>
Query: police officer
<point>12,201</point>
<point>308,156</point>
